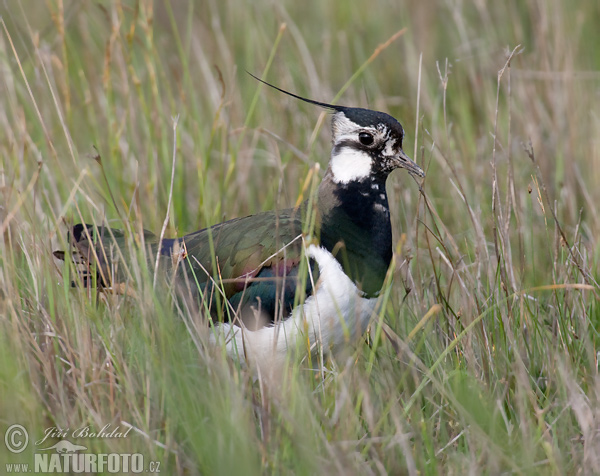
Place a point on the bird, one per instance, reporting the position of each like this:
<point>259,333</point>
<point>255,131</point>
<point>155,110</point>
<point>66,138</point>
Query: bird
<point>307,277</point>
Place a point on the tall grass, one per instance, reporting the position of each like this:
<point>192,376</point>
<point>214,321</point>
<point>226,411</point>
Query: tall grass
<point>488,362</point>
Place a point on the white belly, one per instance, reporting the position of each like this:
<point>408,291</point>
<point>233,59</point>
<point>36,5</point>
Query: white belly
<point>333,316</point>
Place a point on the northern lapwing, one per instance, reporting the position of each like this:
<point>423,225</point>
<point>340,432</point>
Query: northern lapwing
<point>307,276</point>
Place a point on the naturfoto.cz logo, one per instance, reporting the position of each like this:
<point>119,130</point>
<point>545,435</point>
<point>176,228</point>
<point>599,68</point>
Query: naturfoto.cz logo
<point>65,456</point>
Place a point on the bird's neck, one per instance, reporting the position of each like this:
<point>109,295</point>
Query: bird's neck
<point>354,222</point>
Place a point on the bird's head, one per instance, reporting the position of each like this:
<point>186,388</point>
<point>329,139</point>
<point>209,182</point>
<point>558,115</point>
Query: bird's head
<point>366,144</point>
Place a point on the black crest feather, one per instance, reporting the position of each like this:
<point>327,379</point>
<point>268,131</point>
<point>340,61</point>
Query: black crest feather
<point>333,107</point>
<point>362,117</point>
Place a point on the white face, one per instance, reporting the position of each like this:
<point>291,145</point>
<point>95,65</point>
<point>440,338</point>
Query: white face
<point>350,159</point>
<point>349,164</point>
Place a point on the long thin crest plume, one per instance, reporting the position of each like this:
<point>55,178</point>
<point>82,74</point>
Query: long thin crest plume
<point>310,101</point>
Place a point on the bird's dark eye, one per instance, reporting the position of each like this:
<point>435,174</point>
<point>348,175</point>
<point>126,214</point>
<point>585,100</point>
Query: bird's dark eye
<point>365,138</point>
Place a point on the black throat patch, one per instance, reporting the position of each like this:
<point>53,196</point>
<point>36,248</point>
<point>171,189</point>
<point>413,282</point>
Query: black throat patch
<point>356,229</point>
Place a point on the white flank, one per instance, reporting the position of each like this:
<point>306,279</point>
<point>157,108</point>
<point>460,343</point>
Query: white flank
<point>335,314</point>
<point>350,164</point>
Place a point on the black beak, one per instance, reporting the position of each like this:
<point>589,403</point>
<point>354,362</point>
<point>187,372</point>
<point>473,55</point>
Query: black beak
<point>405,162</point>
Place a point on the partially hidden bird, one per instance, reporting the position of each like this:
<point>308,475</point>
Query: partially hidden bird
<point>305,277</point>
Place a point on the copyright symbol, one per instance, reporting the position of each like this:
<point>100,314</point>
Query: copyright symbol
<point>16,438</point>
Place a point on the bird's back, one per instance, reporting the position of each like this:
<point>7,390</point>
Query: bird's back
<point>248,268</point>
<point>255,262</point>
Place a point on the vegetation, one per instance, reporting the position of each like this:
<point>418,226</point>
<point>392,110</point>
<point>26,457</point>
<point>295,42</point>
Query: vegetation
<point>488,362</point>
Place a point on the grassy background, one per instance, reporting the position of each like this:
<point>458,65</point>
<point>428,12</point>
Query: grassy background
<point>491,363</point>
